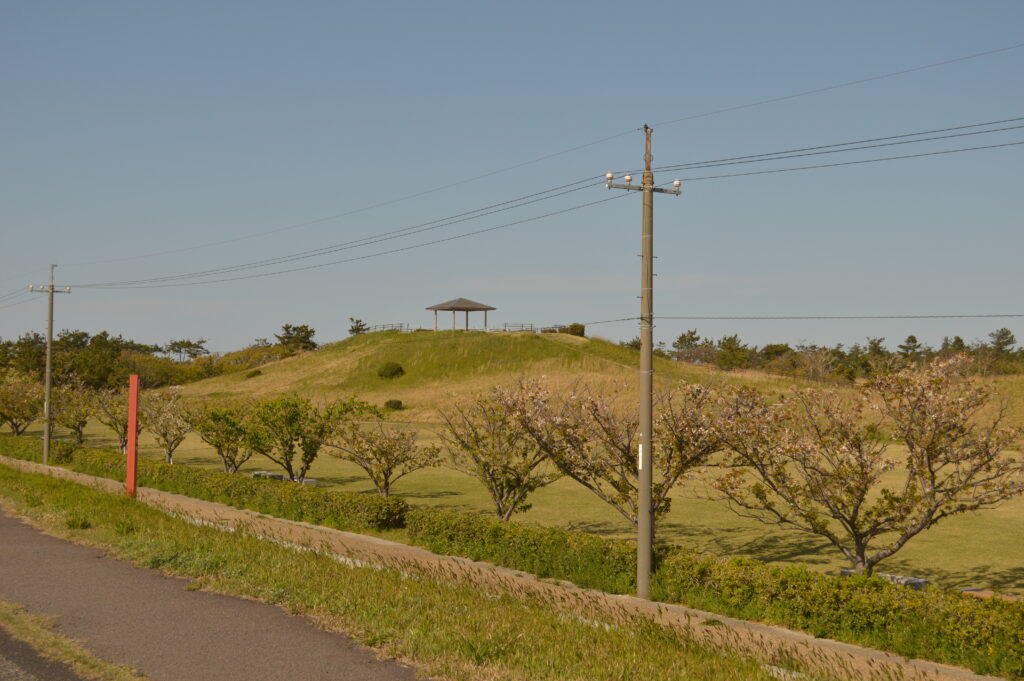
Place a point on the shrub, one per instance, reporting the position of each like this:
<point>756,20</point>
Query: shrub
<point>583,559</point>
<point>61,452</point>
<point>254,373</point>
<point>390,370</point>
<point>395,405</point>
<point>343,511</point>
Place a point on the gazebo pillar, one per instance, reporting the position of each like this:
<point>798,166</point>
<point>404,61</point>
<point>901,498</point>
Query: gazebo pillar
<point>435,320</point>
<point>453,320</point>
<point>467,320</point>
<point>485,320</point>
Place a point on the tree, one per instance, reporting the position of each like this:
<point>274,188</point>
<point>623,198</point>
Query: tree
<point>911,348</point>
<point>112,411</point>
<point>486,442</point>
<point>633,344</point>
<point>290,431</point>
<point>1002,340</point>
<point>225,428</point>
<point>574,329</point>
<point>357,326</point>
<point>296,338</point>
<point>593,438</point>
<point>387,454</point>
<point>187,348</point>
<point>732,353</point>
<point>817,463</point>
<point>21,400</point>
<point>166,416</point>
<point>686,340</point>
<point>73,405</point>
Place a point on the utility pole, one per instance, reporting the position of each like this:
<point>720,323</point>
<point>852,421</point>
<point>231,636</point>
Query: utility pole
<point>645,455</point>
<point>48,399</point>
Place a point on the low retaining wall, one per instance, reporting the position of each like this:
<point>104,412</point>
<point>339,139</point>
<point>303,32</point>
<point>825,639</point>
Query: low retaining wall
<point>770,644</point>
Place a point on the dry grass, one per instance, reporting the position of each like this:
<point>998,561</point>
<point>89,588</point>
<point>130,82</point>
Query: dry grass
<point>38,632</point>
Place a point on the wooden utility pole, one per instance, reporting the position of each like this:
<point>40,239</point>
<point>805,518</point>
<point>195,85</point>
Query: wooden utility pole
<point>47,400</point>
<point>645,455</point>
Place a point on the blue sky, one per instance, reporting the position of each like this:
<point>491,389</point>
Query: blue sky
<point>133,129</point>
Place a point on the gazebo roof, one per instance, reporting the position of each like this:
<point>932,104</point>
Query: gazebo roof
<point>462,305</point>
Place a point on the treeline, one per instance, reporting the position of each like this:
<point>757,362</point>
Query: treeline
<point>104,360</point>
<point>997,355</point>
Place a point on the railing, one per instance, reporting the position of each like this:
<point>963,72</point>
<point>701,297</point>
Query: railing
<point>518,327</point>
<point>390,327</point>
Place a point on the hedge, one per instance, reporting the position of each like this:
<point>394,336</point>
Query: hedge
<point>945,626</point>
<point>583,559</point>
<point>340,510</point>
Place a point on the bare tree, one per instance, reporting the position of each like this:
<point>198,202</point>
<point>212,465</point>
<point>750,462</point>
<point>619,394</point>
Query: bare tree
<point>593,438</point>
<point>820,464</point>
<point>386,453</point>
<point>21,400</point>
<point>166,416</point>
<point>486,442</point>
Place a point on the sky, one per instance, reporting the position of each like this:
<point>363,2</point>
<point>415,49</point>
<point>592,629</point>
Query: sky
<point>151,140</point>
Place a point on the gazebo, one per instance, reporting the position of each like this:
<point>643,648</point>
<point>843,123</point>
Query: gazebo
<point>461,305</point>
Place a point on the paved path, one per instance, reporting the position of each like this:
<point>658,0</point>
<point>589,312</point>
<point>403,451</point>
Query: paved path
<point>135,616</point>
<point>19,662</point>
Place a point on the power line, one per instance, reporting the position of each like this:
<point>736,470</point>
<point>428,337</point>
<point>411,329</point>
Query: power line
<point>15,293</point>
<point>850,163</point>
<point>20,302</point>
<point>369,240</point>
<point>849,83</point>
<point>362,257</point>
<point>545,157</point>
<point>785,154</point>
<point>146,284</point>
<point>537,197</point>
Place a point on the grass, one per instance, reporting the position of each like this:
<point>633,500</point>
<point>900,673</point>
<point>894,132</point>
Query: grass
<point>967,551</point>
<point>37,632</point>
<point>444,625</point>
<point>444,365</point>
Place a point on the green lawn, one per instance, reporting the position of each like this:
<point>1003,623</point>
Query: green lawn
<point>978,550</point>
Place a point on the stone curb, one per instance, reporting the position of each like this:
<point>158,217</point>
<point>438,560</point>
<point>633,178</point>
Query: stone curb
<point>770,644</point>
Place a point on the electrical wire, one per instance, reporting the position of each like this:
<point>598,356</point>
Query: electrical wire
<point>156,284</point>
<point>364,257</point>
<point>365,241</point>
<point>20,302</point>
<point>849,83</point>
<point>784,155</point>
<point>14,294</point>
<point>850,163</point>
<point>556,154</point>
<point>541,196</point>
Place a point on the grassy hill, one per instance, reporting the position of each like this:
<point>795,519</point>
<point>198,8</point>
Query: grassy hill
<point>440,365</point>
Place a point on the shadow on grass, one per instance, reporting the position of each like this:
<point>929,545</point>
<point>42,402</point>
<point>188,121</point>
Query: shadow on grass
<point>597,527</point>
<point>1009,580</point>
<point>438,494</point>
<point>339,479</point>
<point>736,541</point>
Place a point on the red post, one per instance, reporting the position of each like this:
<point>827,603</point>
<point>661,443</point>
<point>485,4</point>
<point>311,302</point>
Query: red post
<point>133,444</point>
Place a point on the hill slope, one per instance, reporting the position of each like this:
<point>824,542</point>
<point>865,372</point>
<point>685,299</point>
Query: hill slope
<point>439,365</point>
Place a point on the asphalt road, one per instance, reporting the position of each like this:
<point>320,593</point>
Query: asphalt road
<point>139,617</point>
<point>19,662</point>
